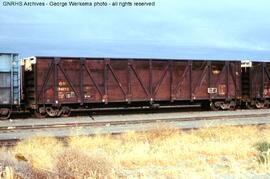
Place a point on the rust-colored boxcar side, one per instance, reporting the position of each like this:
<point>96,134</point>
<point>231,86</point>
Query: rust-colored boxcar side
<point>84,81</point>
<point>259,85</point>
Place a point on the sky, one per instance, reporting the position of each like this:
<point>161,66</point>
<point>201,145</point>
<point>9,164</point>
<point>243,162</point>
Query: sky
<point>178,29</point>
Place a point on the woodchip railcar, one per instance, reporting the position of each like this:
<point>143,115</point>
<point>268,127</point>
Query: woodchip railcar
<point>56,85</point>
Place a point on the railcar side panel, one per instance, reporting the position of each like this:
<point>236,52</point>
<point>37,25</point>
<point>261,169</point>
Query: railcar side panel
<point>140,80</point>
<point>260,80</point>
<point>63,81</point>
<point>92,75</point>
<point>267,80</point>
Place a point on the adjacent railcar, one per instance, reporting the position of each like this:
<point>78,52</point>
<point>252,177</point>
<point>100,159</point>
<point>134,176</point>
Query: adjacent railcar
<point>256,78</point>
<point>10,75</point>
<point>56,85</point>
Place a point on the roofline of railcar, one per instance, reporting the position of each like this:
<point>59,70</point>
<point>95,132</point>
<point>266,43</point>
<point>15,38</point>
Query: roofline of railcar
<point>130,58</point>
<point>147,58</point>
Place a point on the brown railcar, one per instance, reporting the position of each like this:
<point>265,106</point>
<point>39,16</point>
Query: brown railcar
<point>256,94</point>
<point>55,85</point>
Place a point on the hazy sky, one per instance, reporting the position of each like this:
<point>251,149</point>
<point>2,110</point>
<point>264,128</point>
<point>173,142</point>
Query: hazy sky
<point>201,29</point>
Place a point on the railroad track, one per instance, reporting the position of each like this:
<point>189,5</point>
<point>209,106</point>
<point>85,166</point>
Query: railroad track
<point>121,122</point>
<point>115,124</point>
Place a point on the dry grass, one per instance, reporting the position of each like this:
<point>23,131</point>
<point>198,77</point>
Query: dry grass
<point>40,152</point>
<point>74,163</point>
<point>162,152</point>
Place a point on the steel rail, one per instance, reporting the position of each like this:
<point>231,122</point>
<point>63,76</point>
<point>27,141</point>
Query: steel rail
<point>4,129</point>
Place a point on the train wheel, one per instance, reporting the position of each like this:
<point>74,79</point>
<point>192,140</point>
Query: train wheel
<point>266,105</point>
<point>257,105</point>
<point>5,113</point>
<point>39,115</point>
<point>214,107</point>
<point>249,106</point>
<point>66,111</point>
<point>261,104</point>
<point>221,105</point>
<point>232,106</point>
<point>40,112</point>
<point>52,112</point>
